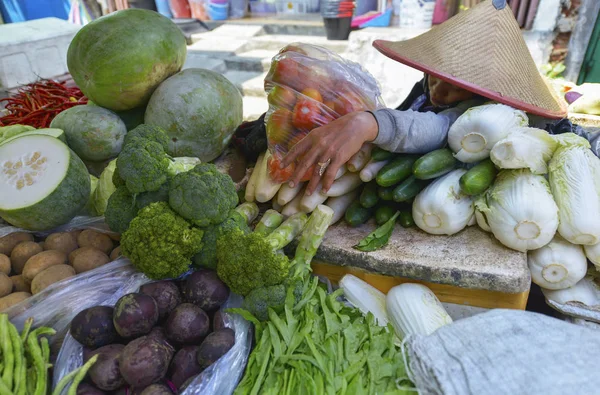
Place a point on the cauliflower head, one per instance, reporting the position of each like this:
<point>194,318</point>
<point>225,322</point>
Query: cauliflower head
<point>203,195</point>
<point>143,165</point>
<point>160,243</point>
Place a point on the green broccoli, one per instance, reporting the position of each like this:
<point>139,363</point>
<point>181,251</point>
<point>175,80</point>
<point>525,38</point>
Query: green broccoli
<point>120,210</point>
<point>145,198</point>
<point>260,300</point>
<point>160,243</point>
<point>143,165</point>
<point>148,132</point>
<point>116,178</point>
<point>203,195</point>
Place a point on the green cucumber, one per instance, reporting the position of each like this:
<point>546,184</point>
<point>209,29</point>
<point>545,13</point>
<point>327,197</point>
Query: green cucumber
<point>383,213</point>
<point>408,189</point>
<point>478,178</point>
<point>386,194</point>
<point>406,219</point>
<point>379,154</point>
<point>396,171</point>
<point>434,164</point>
<point>356,214</point>
<point>368,197</point>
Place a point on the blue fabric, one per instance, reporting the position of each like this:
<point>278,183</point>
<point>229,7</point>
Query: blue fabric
<point>26,10</point>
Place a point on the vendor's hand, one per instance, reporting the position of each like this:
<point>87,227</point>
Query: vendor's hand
<point>337,141</point>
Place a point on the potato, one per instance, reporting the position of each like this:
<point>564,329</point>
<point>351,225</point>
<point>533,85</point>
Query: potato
<point>89,258</point>
<point>19,284</point>
<point>116,253</point>
<point>39,262</point>
<point>91,238</point>
<point>6,285</point>
<point>74,254</point>
<point>21,254</point>
<point>63,241</point>
<point>13,299</point>
<point>8,242</point>
<point>49,276</point>
<point>5,265</point>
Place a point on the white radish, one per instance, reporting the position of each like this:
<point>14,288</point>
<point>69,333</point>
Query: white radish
<point>293,207</point>
<point>348,182</point>
<point>360,159</point>
<point>276,206</point>
<point>251,187</point>
<point>286,193</point>
<point>266,189</point>
<point>340,204</point>
<point>309,203</point>
<point>369,172</point>
<point>342,170</point>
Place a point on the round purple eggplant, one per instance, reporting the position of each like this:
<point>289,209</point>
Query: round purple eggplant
<point>105,372</point>
<point>215,346</point>
<point>144,361</point>
<point>167,296</point>
<point>205,289</point>
<point>135,315</point>
<point>93,327</point>
<point>187,324</point>
<point>184,365</point>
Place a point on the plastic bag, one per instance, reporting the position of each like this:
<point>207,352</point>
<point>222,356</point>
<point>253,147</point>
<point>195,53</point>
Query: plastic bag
<point>309,86</point>
<point>77,223</point>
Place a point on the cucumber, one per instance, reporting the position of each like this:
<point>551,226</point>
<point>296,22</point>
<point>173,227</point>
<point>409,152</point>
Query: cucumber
<point>406,219</point>
<point>356,214</point>
<point>379,155</point>
<point>383,213</point>
<point>408,189</point>
<point>479,178</point>
<point>434,164</point>
<point>368,197</point>
<point>396,171</point>
<point>385,193</point>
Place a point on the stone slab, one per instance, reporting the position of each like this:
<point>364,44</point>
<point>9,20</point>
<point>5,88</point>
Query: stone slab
<point>255,60</point>
<point>33,49</point>
<point>219,47</point>
<point>275,42</point>
<point>198,60</point>
<point>469,259</point>
<point>254,107</point>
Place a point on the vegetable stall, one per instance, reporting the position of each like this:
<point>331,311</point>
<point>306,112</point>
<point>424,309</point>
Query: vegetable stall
<point>150,242</point>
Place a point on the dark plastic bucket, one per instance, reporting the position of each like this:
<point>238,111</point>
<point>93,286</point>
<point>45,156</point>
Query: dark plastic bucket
<point>338,28</point>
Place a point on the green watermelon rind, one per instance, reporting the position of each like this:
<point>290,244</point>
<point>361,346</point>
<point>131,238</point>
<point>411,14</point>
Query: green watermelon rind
<point>61,205</point>
<point>52,132</point>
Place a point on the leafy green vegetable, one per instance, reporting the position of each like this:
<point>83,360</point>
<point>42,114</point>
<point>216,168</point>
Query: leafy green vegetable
<point>105,188</point>
<point>379,237</point>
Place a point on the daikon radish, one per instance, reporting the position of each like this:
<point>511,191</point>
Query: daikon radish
<point>293,207</point>
<point>360,159</point>
<point>286,194</point>
<point>340,204</point>
<point>276,206</point>
<point>251,187</point>
<point>369,172</point>
<point>343,170</point>
<point>266,189</point>
<point>309,203</point>
<point>348,182</point>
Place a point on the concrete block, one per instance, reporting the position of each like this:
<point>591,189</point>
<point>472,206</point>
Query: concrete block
<point>33,49</point>
<point>248,82</point>
<point>230,31</point>
<point>197,60</point>
<point>276,42</point>
<point>546,16</point>
<point>219,47</point>
<point>256,60</point>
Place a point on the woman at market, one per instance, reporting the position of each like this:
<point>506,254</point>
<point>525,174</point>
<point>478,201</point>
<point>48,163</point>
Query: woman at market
<point>477,55</point>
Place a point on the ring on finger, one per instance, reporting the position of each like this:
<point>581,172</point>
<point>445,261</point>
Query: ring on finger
<point>323,166</point>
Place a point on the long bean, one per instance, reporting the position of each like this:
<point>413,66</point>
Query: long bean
<point>26,329</point>
<point>81,375</point>
<point>4,390</point>
<point>7,351</point>
<point>41,369</point>
<point>17,345</point>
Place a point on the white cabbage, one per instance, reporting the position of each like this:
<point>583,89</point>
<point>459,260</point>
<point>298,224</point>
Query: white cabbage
<point>475,132</point>
<point>593,254</point>
<point>520,210</point>
<point>524,148</point>
<point>584,292</point>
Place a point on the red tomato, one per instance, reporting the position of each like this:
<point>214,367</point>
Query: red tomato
<point>330,104</point>
<point>348,102</point>
<point>296,138</point>
<point>313,94</point>
<point>276,173</point>
<point>284,71</point>
<point>279,126</point>
<point>282,97</point>
<point>306,114</point>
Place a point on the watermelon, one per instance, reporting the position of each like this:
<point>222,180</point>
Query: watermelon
<point>43,183</point>
<point>56,133</point>
<point>119,59</point>
<point>199,109</point>
<point>94,133</point>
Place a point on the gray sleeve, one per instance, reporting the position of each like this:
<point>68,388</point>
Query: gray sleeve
<point>415,132</point>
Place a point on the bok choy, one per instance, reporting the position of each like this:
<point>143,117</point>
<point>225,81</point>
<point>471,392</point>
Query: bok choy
<point>583,292</point>
<point>593,254</point>
<point>524,148</point>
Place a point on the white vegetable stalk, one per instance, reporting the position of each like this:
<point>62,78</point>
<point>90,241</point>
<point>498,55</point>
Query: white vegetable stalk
<point>413,309</point>
<point>593,254</point>
<point>482,221</point>
<point>557,265</point>
<point>293,207</point>
<point>520,210</point>
<point>441,208</point>
<point>369,172</point>
<point>583,292</point>
<point>251,186</point>
<point>365,297</point>
<point>524,148</point>
<point>346,183</point>
<point>360,159</point>
<point>475,132</point>
<point>266,188</point>
<point>340,204</point>
<point>309,203</point>
<point>575,182</point>
<point>286,193</point>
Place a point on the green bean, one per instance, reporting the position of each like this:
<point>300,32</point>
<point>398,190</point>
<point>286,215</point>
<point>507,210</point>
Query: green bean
<point>26,328</point>
<point>38,363</point>
<point>81,375</point>
<point>30,380</point>
<point>64,381</point>
<point>23,376</point>
<point>7,351</point>
<point>4,389</point>
<point>45,351</point>
<point>18,351</point>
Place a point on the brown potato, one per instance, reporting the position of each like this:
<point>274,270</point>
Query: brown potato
<point>5,266</point>
<point>6,286</point>
<point>116,253</point>
<point>74,254</point>
<point>42,244</point>
<point>21,254</point>
<point>13,299</point>
<point>91,238</point>
<point>89,258</point>
<point>76,233</point>
<point>8,242</point>
<point>50,276</point>
<point>42,261</point>
<point>19,284</point>
<point>65,242</point>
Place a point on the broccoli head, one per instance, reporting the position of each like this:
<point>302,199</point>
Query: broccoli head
<point>208,256</point>
<point>160,243</point>
<point>143,165</point>
<point>260,300</point>
<point>148,132</point>
<point>203,195</point>
<point>248,261</point>
<point>145,198</point>
<point>120,210</point>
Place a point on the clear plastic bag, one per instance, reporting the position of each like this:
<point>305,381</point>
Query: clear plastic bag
<point>309,86</point>
<point>77,223</point>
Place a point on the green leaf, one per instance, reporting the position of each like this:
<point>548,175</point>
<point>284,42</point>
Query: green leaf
<point>379,237</point>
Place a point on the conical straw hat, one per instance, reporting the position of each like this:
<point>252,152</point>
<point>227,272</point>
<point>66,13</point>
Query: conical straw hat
<point>481,50</point>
